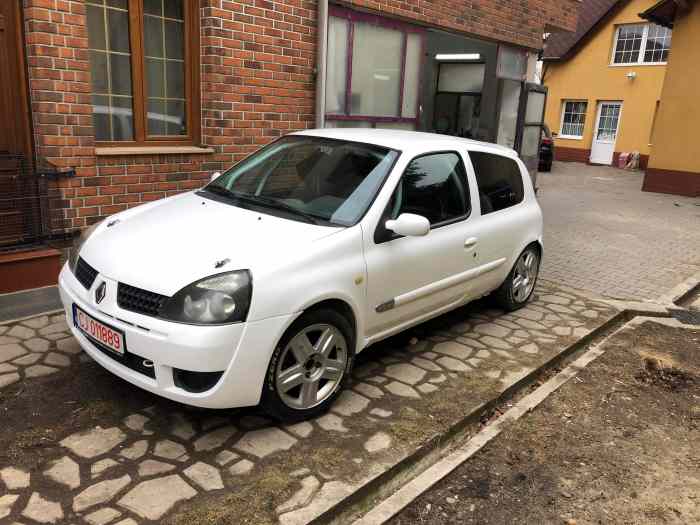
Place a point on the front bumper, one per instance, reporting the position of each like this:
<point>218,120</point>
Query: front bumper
<point>241,351</point>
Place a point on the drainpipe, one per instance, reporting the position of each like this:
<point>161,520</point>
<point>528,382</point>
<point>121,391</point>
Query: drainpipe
<point>321,61</point>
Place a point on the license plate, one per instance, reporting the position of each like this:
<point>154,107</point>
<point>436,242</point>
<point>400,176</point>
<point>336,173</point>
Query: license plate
<point>96,330</point>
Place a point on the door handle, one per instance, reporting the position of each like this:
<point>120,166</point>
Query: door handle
<point>470,242</point>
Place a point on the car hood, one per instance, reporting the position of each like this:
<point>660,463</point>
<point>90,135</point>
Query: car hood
<point>166,245</point>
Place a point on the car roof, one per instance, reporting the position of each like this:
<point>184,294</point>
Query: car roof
<point>408,141</point>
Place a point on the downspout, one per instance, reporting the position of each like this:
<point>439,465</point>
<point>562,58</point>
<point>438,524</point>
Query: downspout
<point>321,62</point>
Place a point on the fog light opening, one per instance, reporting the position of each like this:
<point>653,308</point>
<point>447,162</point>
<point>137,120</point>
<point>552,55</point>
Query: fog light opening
<point>195,382</point>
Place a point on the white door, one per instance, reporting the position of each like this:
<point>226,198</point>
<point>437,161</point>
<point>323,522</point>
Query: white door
<point>411,278</point>
<point>605,136</point>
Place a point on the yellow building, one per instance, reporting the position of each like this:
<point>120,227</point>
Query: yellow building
<point>674,166</point>
<point>605,82</point>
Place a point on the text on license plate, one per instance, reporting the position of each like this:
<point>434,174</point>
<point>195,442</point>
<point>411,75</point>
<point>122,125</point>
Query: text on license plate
<point>109,337</point>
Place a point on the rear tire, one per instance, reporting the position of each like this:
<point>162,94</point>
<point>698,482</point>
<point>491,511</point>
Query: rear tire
<point>310,366</point>
<point>516,290</point>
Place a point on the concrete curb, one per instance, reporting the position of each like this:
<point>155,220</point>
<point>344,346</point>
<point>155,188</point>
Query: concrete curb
<point>682,291</point>
<point>20,319</point>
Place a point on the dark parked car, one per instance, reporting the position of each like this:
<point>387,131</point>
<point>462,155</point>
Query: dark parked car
<point>546,149</point>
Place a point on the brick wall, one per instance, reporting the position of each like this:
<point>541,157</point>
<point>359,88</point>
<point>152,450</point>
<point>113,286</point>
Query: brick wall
<point>257,83</point>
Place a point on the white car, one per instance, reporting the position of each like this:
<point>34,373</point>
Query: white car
<point>261,287</point>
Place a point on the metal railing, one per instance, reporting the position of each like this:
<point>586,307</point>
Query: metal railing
<point>26,197</point>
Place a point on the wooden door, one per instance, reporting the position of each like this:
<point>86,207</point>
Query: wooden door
<point>15,128</point>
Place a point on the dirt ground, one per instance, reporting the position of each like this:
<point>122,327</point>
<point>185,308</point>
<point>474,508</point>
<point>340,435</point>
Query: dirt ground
<point>618,444</point>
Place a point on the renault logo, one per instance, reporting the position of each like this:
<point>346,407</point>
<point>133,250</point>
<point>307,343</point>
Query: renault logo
<point>100,292</point>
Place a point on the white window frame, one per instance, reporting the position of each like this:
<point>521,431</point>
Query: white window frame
<point>561,120</point>
<point>642,48</point>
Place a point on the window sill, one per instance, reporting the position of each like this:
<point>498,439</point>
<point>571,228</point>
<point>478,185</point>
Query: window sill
<point>639,64</point>
<point>568,137</point>
<point>151,150</point>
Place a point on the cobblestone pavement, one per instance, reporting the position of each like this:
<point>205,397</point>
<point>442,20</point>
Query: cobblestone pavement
<point>604,235</point>
<point>163,462</point>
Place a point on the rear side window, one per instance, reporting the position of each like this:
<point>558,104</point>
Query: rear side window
<point>499,180</point>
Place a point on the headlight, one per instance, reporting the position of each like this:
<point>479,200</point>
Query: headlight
<point>78,244</point>
<point>219,299</point>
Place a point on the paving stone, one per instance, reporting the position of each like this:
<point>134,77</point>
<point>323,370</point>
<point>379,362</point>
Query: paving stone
<point>453,349</point>
<point>57,317</point>
<point>153,498</point>
<point>8,379</point>
<point>380,380</point>
<point>21,332</point>
<point>181,427</point>
<point>69,345</point>
<point>215,438</point>
<point>6,503</point>
<point>369,390</point>
<point>37,345</point>
<point>36,322</point>
<point>170,450</point>
<point>492,329</point>
<point>99,467</point>
<point>402,390</point>
<point>14,478</point>
<point>475,362</point>
<point>561,309</point>
<point>11,351</point>
<point>135,451</point>
<point>405,373</point>
<point>94,442</point>
<point>438,379</point>
<point>261,443</point>
<point>365,369</point>
<point>102,516</point>
<point>494,342</point>
<point>253,422</point>
<point>302,497</point>
<point>4,340</point>
<point>64,471</point>
<point>56,359</point>
<point>100,492</point>
<point>483,354</point>
<point>302,430</point>
<point>55,337</point>
<point>425,364</point>
<point>591,314</point>
<point>127,521</point>
<point>530,325</point>
<point>380,412</point>
<point>331,423</point>
<point>204,475</point>
<point>349,403</point>
<point>53,328</point>
<point>3,329</point>
<point>244,466</point>
<point>452,364</point>
<point>427,388</point>
<point>555,299</point>
<point>378,442</point>
<point>562,330</point>
<point>135,422</point>
<point>151,467</point>
<point>493,374</point>
<point>530,349</point>
<point>226,456</point>
<point>329,494</point>
<point>530,314</point>
<point>42,510</point>
<point>39,371</point>
<point>27,360</point>
<point>300,472</point>
<point>7,367</point>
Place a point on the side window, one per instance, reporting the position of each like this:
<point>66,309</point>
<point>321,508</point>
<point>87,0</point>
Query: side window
<point>499,180</point>
<point>434,186</point>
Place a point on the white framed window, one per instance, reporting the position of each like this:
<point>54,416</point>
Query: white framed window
<point>641,44</point>
<point>573,119</point>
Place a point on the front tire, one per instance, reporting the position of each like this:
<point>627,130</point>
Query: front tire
<point>517,289</point>
<point>309,367</point>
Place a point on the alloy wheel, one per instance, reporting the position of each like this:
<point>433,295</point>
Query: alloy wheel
<point>525,275</point>
<point>311,366</point>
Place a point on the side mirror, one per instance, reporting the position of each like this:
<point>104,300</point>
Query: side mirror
<point>409,225</point>
<point>215,176</point>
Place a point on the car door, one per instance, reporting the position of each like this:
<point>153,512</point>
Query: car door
<point>503,218</point>
<point>411,278</point>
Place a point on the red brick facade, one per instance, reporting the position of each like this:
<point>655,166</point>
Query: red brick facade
<point>257,83</point>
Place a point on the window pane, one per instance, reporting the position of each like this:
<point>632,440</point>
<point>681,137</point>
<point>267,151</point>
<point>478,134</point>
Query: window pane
<point>434,187</point>
<point>348,124</point>
<point>461,78</point>
<point>414,44</point>
<point>336,73</point>
<point>376,76</point>
<point>499,180</point>
<point>512,63</point>
<point>535,107</point>
<point>629,42</point>
<point>531,141</point>
<point>508,119</point>
<point>110,67</point>
<point>658,44</point>
<point>574,120</point>
<point>155,73</point>
<point>406,126</point>
<point>96,27</point>
<point>165,68</point>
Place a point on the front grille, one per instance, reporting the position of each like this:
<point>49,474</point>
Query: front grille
<point>85,273</point>
<point>139,301</point>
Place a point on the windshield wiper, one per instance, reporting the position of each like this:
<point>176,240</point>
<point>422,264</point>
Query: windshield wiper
<point>278,204</point>
<point>220,190</point>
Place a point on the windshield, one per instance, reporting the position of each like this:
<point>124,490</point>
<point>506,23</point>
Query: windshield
<point>309,178</point>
